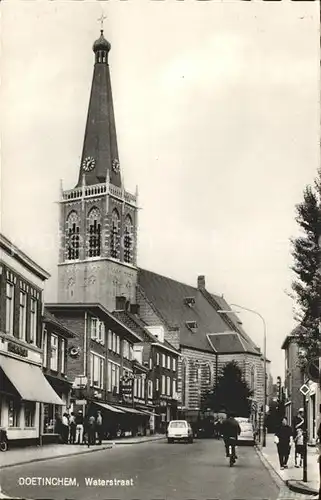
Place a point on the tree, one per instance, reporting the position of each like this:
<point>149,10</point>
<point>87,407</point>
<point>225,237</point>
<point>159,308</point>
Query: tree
<point>306,252</point>
<point>231,392</point>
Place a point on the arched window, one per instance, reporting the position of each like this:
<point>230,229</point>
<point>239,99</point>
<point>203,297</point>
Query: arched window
<point>128,239</point>
<point>72,236</point>
<point>207,374</point>
<point>114,235</point>
<point>94,233</point>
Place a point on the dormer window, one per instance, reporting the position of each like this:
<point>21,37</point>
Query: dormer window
<point>189,301</point>
<point>192,326</point>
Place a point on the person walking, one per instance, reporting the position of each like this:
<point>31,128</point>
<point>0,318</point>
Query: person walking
<point>72,428</point>
<point>299,448</point>
<point>65,428</point>
<point>91,430</point>
<point>79,427</point>
<point>283,438</point>
<point>99,427</point>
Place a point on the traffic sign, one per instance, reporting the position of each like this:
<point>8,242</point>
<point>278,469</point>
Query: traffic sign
<point>305,389</point>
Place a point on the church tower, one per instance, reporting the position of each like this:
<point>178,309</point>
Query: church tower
<point>98,218</point>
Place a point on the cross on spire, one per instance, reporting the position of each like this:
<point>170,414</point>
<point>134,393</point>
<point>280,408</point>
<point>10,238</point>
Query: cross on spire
<point>101,19</point>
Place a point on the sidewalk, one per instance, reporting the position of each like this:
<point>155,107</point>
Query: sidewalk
<point>292,476</point>
<point>20,456</point>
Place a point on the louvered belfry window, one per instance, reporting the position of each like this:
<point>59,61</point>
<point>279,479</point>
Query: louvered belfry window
<point>94,236</point>
<point>72,236</point>
<point>128,240</point>
<point>114,235</point>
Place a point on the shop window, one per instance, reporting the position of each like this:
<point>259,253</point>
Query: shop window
<point>22,315</point>
<point>50,413</point>
<point>14,409</point>
<point>33,320</point>
<point>63,356</point>
<point>54,353</point>
<point>30,410</point>
<point>9,307</point>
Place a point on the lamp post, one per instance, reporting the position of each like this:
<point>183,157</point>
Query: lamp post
<point>232,311</point>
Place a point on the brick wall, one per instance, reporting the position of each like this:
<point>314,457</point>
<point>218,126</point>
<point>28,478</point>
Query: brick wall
<point>196,381</point>
<point>85,281</point>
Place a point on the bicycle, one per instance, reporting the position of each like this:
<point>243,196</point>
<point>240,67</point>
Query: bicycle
<point>232,454</point>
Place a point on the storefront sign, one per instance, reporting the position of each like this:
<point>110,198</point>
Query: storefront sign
<point>17,349</point>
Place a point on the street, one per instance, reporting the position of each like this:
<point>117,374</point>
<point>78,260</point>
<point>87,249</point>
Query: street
<point>157,470</point>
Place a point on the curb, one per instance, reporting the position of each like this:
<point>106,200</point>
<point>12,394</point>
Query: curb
<point>300,487</point>
<point>138,442</point>
<point>292,484</point>
<point>42,459</point>
<point>275,476</point>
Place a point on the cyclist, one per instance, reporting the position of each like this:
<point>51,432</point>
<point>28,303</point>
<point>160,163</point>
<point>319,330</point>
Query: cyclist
<point>230,430</point>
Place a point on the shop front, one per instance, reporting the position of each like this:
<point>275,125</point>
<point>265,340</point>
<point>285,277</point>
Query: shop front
<point>23,389</point>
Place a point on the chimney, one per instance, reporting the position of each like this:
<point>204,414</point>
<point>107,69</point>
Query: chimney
<point>121,303</point>
<point>134,308</point>
<point>201,282</point>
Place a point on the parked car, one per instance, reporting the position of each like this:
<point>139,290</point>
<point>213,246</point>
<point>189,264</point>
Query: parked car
<point>247,431</point>
<point>179,430</point>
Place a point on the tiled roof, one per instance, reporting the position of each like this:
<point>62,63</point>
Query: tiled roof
<point>229,343</point>
<point>168,296</point>
<point>138,326</point>
<point>50,318</point>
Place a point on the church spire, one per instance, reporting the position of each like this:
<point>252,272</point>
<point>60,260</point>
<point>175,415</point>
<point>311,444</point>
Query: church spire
<point>100,151</point>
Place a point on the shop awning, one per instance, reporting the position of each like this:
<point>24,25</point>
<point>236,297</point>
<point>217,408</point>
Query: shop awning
<point>150,413</point>
<point>131,410</point>
<point>29,381</point>
<point>109,407</point>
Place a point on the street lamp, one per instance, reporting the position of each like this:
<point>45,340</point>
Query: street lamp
<point>231,311</point>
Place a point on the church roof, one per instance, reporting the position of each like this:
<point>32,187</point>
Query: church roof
<point>195,321</point>
<point>100,150</point>
<point>230,343</point>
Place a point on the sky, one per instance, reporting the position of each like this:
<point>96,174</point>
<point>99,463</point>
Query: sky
<point>217,116</point>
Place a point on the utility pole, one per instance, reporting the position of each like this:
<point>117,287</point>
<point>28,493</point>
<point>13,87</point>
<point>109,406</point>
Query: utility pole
<point>305,462</point>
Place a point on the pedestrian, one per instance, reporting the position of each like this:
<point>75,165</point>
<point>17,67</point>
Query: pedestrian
<point>99,427</point>
<point>91,430</point>
<point>72,428</point>
<point>79,427</point>
<point>230,430</point>
<point>299,448</point>
<point>65,428</point>
<point>298,422</point>
<point>282,439</point>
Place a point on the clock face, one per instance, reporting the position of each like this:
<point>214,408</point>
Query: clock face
<point>88,163</point>
<point>115,165</point>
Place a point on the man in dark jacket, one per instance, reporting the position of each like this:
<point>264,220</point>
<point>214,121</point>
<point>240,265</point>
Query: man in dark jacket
<point>284,435</point>
<point>230,430</point>
<point>298,422</point>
